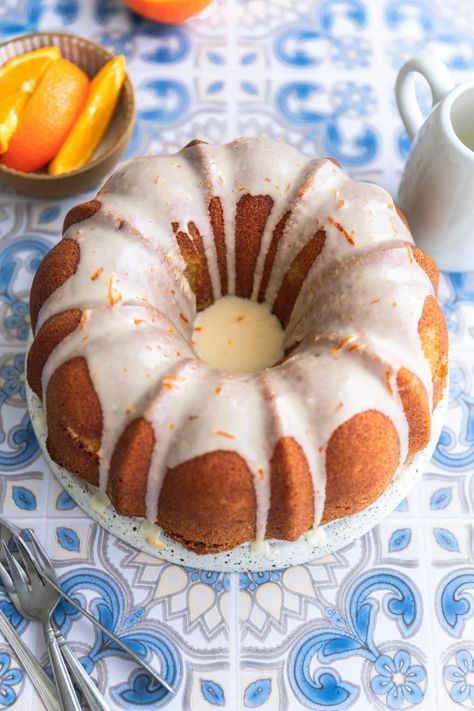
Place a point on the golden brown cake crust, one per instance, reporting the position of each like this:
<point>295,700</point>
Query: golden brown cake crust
<point>216,215</point>
<point>427,264</point>
<point>126,486</point>
<point>55,269</point>
<point>208,503</point>
<point>81,212</point>
<point>292,499</point>
<point>251,216</point>
<point>295,276</point>
<point>74,420</point>
<point>191,248</point>
<point>434,339</point>
<point>362,456</point>
<point>417,410</point>
<point>48,337</point>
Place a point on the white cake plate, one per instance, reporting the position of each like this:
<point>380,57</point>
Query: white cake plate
<point>280,554</point>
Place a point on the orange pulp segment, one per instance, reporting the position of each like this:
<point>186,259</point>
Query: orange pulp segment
<point>89,128</point>
<point>19,77</point>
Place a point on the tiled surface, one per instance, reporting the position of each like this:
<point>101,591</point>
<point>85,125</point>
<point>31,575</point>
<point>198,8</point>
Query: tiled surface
<point>385,623</point>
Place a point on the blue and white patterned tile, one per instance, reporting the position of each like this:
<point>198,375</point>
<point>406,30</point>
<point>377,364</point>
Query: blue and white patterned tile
<point>385,623</point>
<point>166,612</point>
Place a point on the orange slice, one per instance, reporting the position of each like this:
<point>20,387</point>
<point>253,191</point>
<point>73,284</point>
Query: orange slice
<point>89,128</point>
<point>48,116</point>
<point>19,78</point>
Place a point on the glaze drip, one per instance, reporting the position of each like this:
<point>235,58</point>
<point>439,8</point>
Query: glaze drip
<point>351,305</point>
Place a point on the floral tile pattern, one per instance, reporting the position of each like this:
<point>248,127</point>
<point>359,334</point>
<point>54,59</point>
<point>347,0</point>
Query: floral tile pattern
<point>385,623</point>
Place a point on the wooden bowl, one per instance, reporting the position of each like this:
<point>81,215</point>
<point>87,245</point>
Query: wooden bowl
<point>90,57</point>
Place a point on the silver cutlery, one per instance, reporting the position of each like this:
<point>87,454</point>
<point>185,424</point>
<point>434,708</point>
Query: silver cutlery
<point>37,603</point>
<point>40,680</point>
<point>42,563</point>
<point>83,681</point>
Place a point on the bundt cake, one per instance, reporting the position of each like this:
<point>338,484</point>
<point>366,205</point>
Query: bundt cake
<point>217,458</point>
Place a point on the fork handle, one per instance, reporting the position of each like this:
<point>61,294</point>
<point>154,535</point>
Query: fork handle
<point>66,693</point>
<point>91,693</point>
<point>41,681</point>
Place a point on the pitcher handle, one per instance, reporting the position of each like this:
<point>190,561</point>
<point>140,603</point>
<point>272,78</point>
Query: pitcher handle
<point>438,77</point>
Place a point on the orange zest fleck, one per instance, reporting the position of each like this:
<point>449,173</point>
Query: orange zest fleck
<point>341,345</point>
<point>84,319</point>
<point>221,433</point>
<point>387,382</point>
<point>129,410</point>
<point>354,347</point>
<point>390,205</point>
<point>111,299</point>
<point>170,330</point>
<point>218,390</point>
<point>183,318</point>
<point>96,274</point>
<point>268,180</point>
<point>320,449</point>
<point>260,473</point>
<point>198,329</point>
<point>341,229</point>
<point>138,321</point>
<point>173,376</point>
<point>307,186</point>
<point>341,203</point>
<point>178,354</point>
<point>168,386</point>
<point>410,253</point>
<point>171,426</point>
<point>193,417</point>
<point>85,339</point>
<point>240,318</point>
<point>375,301</point>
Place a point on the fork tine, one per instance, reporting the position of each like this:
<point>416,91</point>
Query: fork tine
<point>27,560</point>
<point>40,556</point>
<point>6,579</point>
<point>18,575</point>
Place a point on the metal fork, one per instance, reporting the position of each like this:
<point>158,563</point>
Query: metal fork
<point>38,602</point>
<point>41,562</point>
<point>91,693</point>
<point>40,680</point>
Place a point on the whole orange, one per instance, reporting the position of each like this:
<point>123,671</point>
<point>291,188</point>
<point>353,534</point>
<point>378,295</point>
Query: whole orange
<point>170,11</point>
<point>48,117</point>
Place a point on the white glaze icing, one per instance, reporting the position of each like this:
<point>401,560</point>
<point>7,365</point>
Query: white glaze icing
<point>238,334</point>
<point>364,289</point>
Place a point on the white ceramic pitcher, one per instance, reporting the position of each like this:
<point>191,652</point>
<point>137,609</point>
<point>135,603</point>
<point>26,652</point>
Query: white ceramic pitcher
<point>437,187</point>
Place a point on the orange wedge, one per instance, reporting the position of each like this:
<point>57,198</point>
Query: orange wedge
<point>93,120</point>
<point>48,117</point>
<point>19,78</point>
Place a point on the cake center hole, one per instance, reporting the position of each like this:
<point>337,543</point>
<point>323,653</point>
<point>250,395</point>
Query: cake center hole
<point>238,334</point>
